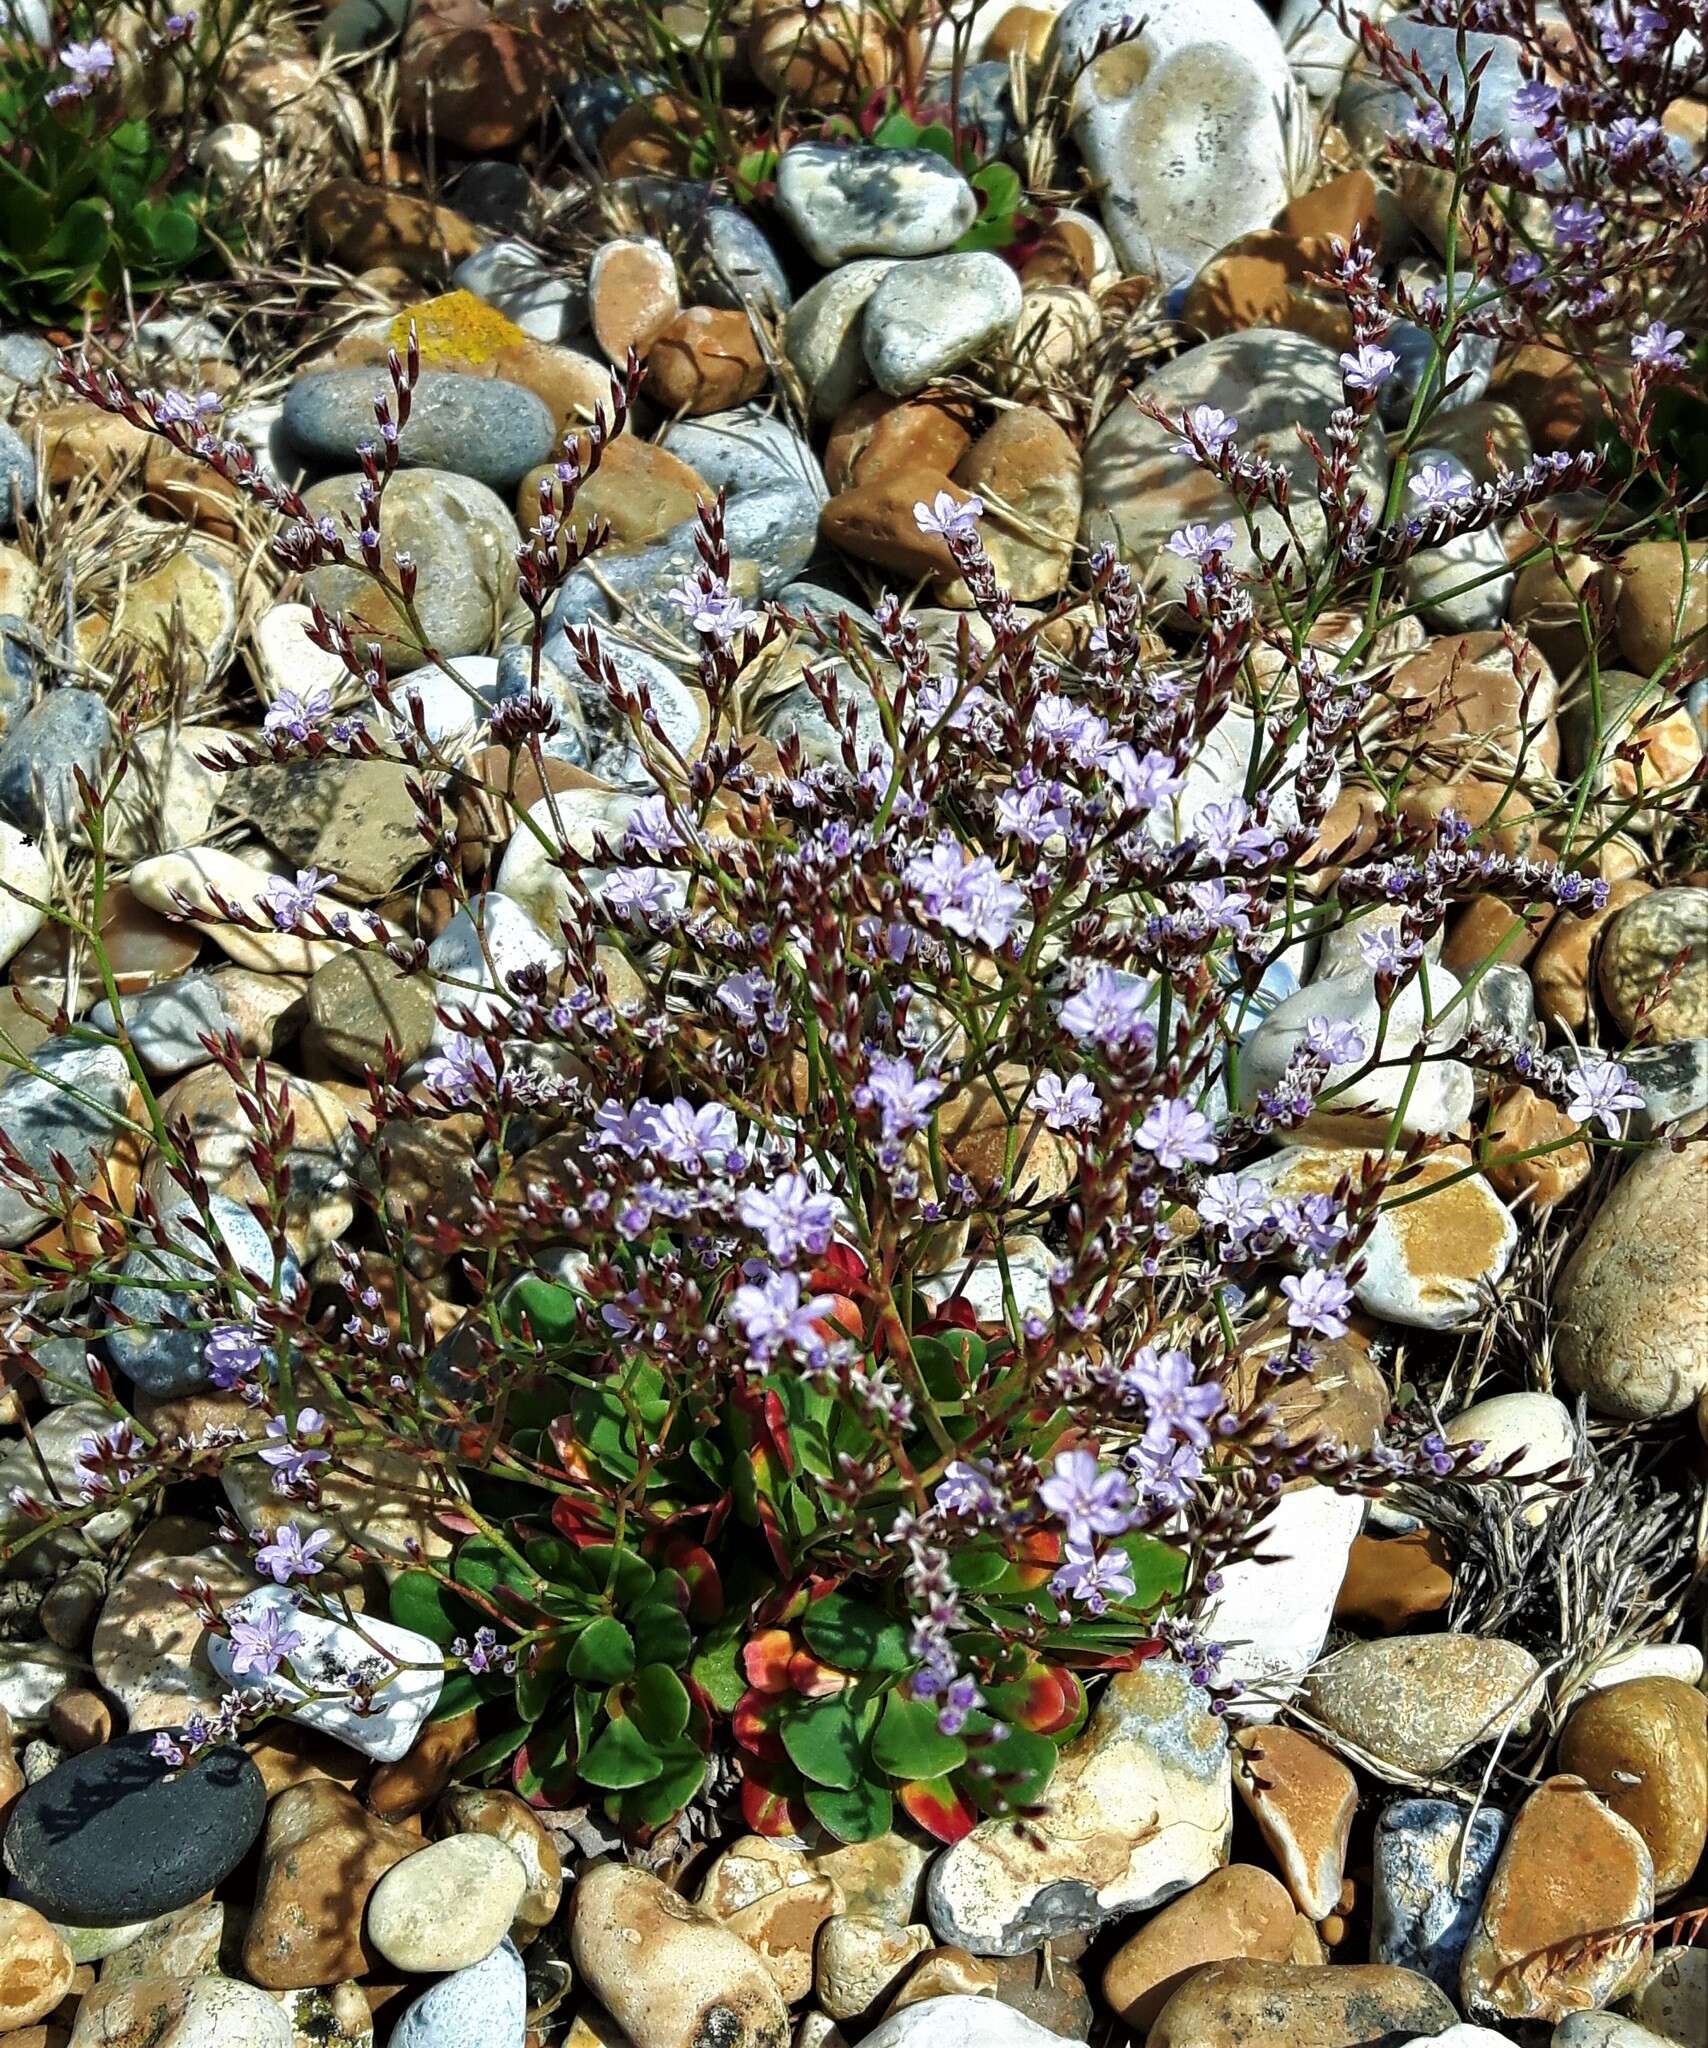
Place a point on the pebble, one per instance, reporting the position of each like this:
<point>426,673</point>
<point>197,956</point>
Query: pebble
<point>632,296</point>
<point>67,730</point>
<point>36,1968</point>
<point>1302,1798</point>
<point>220,2012</point>
<point>509,276</point>
<point>1371,110</point>
<point>1672,1997</point>
<point>1184,128</point>
<point>1431,1861</point>
<point>884,1877</point>
<point>1538,1427</point>
<point>822,336</point>
<point>32,1677</point>
<point>502,1817</point>
<point>23,887</point>
<point>321,1858</point>
<point>329,1655</point>
<point>479,427</point>
<point>462,539</point>
<point>1643,1746</point>
<point>42,1117</point>
<point>1601,2030</point>
<point>1570,1866</point>
<point>1464,585</point>
<point>1416,1704</point>
<point>867,201</point>
<point>147,1648</point>
<point>1243,2004</point>
<point>1140,1808</point>
<point>707,359</point>
<point>463,971</point>
<point>859,1959</point>
<point>1138,491</point>
<point>166,1024</point>
<point>482,2007</point>
<point>961,2021</point>
<point>1237,1912</point>
<point>1025,470</point>
<point>195,873</point>
<point>668,1973</point>
<point>352,819</point>
<point>448,1907</point>
<point>1629,1333</point>
<point>17,478</point>
<point>1653,970</point>
<point>361,1002</point>
<point>1429,1260</point>
<point>1425,1012</point>
<point>926,319</point>
<point>334,2016</point>
<point>1268,1644</point>
<point>113,1835</point>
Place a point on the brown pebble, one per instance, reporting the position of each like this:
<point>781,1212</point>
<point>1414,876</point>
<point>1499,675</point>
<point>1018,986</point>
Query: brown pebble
<point>631,296</point>
<point>80,1719</point>
<point>398,1790</point>
<point>707,359</point>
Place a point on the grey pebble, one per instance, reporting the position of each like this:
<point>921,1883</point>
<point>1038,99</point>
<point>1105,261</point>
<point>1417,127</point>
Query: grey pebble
<point>479,427</point>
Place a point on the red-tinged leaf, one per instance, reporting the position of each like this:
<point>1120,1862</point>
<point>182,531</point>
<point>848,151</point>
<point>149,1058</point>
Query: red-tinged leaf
<point>777,1428</point>
<point>766,1806</point>
<point>841,1271</point>
<point>579,1522</point>
<point>813,1680</point>
<point>1044,1700</point>
<point>1040,1553</point>
<point>699,1573</point>
<point>765,1659</point>
<point>940,1807</point>
<point>955,1314</point>
<point>843,1320</point>
<point>571,1454</point>
<point>753,1724</point>
<point>771,1530</point>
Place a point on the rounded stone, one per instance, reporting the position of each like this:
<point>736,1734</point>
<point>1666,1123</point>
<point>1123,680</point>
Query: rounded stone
<point>1239,1911</point>
<point>1629,1329</point>
<point>362,1001</point>
<point>477,427</point>
<point>867,201</point>
<point>961,2020</point>
<point>1538,1428</point>
<point>35,1965</point>
<point>17,477</point>
<point>447,1907</point>
<point>1243,2004</point>
<point>462,539</point>
<point>926,319</point>
<point>1654,965</point>
<point>220,2012</point>
<point>68,730</point>
<point>482,2007</point>
<point>1431,1862</point>
<point>1416,1704</point>
<point>116,1835</point>
<point>1643,1746</point>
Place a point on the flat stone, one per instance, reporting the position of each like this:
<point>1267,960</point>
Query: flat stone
<point>332,1654</point>
<point>360,1003</point>
<point>1393,1580</point>
<point>475,427</point>
<point>1237,1912</point>
<point>150,1648</point>
<point>353,819</point>
<point>68,730</point>
<point>196,873</point>
<point>1629,1333</point>
<point>1416,1704</point>
<point>447,1908</point>
<point>866,201</point>
<point>1286,2005</point>
<point>822,335</point>
<point>1654,965</point>
<point>43,1116</point>
<point>321,1858</point>
<point>1303,1799</point>
<point>1570,1867</point>
<point>960,2022</point>
<point>168,1022</point>
<point>502,1817</point>
<point>483,2007</point>
<point>23,887</point>
<point>114,1835</point>
<point>1140,1808</point>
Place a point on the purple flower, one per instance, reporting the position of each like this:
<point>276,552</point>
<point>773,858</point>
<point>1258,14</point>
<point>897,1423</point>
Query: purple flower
<point>1535,103</point>
<point>1369,367</point>
<point>1092,1502</point>
<point>1334,1040</point>
<point>1033,812</point>
<point>88,63</point>
<point>651,830</point>
<point>966,1488</point>
<point>1429,127</point>
<point>1166,1472</point>
<point>742,995</point>
<point>691,1138</point>
<point>641,894</point>
<point>1659,346</point>
<point>291,1555</point>
<point>108,1460</point>
<point>262,1645</point>
<point>710,607</point>
<point>1600,1089</point>
<point>1146,780</point>
<point>1202,544</point>
<point>293,1457</point>
<point>1315,1225</point>
<point>291,902</point>
<point>1093,1578</point>
<point>295,717</point>
<point>947,520</point>
<point>1576,225</point>
<point>1317,1301</point>
<point>484,1653</point>
<point>1177,1135</point>
<point>462,1070</point>
<point>1212,428</point>
<point>1234,1204</point>
<point>1439,487</point>
<point>627,1127</point>
<point>1175,1402</point>
<point>1070,1105</point>
<point>1226,833</point>
<point>1110,1009</point>
<point>234,1354</point>
<point>1384,951</point>
<point>773,1315</point>
<point>903,1098</point>
<point>1058,721</point>
<point>790,1215</point>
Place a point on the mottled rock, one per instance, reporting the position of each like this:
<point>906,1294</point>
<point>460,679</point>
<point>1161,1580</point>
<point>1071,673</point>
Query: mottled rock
<point>1237,1912</point>
<point>1653,970</point>
<point>1283,2005</point>
<point>1139,1808</point>
<point>1643,1746</point>
<point>860,1959</point>
<point>484,2007</point>
<point>321,1858</point>
<point>867,201</point>
<point>35,1965</point>
<point>1417,1703</point>
<point>475,427</point>
<point>925,319</point>
<point>1537,1427</point>
<point>470,1810</point>
<point>199,875</point>
<point>69,729</point>
<point>1303,1799</point>
<point>449,1906</point>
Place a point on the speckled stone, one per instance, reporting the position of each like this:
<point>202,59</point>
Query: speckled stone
<point>41,1117</point>
<point>1432,1861</point>
<point>1418,1703</point>
<point>68,730</point>
<point>867,201</point>
<point>477,427</point>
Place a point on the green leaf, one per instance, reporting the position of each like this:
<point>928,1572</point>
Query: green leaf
<point>909,1744</point>
<point>603,1653</point>
<point>621,1757</point>
<point>1158,1570</point>
<point>1019,1768</point>
<point>898,130</point>
<point>618,1571</point>
<point>420,1602</point>
<point>497,1749</point>
<point>661,1633</point>
<point>534,1691</point>
<point>853,1636</point>
<point>822,1738</point>
<point>460,1694</point>
<point>938,140</point>
<point>717,1667</point>
<point>549,1308</point>
<point>658,1701</point>
<point>859,1814</point>
<point>978,1568</point>
<point>651,1805</point>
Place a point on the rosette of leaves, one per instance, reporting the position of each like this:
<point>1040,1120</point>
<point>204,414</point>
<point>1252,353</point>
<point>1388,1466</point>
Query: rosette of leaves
<point>597,1699</point>
<point>824,1710</point>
